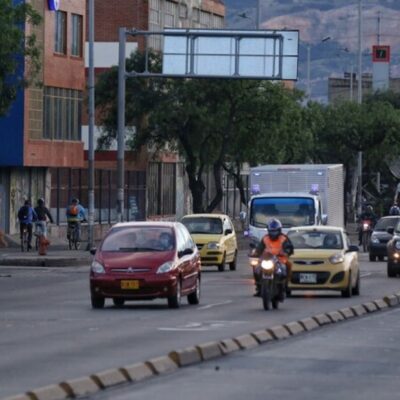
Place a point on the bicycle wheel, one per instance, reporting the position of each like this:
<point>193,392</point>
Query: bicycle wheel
<point>24,241</point>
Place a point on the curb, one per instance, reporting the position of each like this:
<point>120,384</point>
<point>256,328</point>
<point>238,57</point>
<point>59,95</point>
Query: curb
<point>176,359</point>
<point>45,262</point>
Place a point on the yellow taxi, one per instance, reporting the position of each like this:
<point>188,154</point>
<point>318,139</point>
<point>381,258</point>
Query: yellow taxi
<point>215,238</point>
<point>323,259</point>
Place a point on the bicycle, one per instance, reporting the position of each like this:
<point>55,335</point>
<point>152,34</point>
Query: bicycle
<point>73,236</point>
<point>39,231</point>
<point>24,238</point>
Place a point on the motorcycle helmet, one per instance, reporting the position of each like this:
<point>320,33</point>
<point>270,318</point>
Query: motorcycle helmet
<point>394,210</point>
<point>75,200</point>
<point>369,209</point>
<point>274,227</point>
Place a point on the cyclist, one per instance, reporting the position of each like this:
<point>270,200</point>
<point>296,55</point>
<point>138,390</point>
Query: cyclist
<point>42,213</point>
<point>26,216</point>
<point>75,215</point>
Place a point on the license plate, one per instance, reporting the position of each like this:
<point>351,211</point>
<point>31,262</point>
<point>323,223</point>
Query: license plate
<point>129,284</point>
<point>308,278</point>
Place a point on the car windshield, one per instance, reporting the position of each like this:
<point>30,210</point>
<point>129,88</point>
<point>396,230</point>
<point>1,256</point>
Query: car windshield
<point>205,225</point>
<point>384,223</point>
<point>303,239</point>
<point>291,211</point>
<point>139,239</point>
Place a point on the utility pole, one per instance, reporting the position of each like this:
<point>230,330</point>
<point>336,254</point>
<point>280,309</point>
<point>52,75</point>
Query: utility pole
<point>309,71</point>
<point>258,14</point>
<point>359,99</point>
<point>379,29</point>
<point>91,128</point>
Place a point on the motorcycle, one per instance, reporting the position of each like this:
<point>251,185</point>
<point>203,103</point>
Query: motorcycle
<point>270,275</point>
<point>366,230</point>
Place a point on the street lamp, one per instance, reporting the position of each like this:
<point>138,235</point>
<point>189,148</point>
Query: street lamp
<point>359,100</point>
<point>325,39</point>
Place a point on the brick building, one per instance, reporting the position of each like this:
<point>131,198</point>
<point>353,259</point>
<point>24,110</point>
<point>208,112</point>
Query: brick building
<point>43,127</point>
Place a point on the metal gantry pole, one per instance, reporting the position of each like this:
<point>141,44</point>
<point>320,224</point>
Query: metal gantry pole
<point>359,100</point>
<point>309,71</point>
<point>121,125</point>
<point>91,128</point>
<point>258,14</point>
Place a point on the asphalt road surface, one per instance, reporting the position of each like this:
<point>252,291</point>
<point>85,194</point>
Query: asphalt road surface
<point>49,333</point>
<point>357,360</point>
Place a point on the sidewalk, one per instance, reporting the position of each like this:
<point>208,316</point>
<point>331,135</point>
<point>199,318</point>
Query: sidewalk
<point>58,255</point>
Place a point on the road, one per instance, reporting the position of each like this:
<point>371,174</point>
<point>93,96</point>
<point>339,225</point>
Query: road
<point>357,360</point>
<point>49,333</point>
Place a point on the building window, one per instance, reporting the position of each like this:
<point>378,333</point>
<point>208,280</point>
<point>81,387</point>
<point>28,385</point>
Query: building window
<point>62,114</point>
<point>76,49</point>
<point>183,10</point>
<point>60,45</point>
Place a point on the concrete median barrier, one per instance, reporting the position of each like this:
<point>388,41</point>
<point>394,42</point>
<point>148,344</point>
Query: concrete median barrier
<point>347,313</point>
<point>108,378</point>
<point>81,386</point>
<point>294,328</point>
<point>391,300</point>
<point>246,342</point>
<point>51,392</point>
<point>162,365</point>
<point>279,332</point>
<point>335,316</point>
<point>322,319</point>
<point>308,324</point>
<point>185,357</point>
<point>262,336</point>
<point>18,397</point>
<point>381,304</point>
<point>137,372</point>
<point>229,346</point>
<point>209,350</point>
<point>370,307</point>
<point>359,310</point>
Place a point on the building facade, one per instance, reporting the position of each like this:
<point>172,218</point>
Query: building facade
<point>43,127</point>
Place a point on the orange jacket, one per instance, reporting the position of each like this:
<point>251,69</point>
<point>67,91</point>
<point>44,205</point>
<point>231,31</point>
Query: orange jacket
<point>275,247</point>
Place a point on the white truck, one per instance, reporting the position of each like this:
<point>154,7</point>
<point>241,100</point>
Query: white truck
<point>296,194</point>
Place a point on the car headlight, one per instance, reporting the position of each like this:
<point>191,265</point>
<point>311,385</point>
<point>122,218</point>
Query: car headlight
<point>267,265</point>
<point>97,268</point>
<point>336,259</point>
<point>374,239</point>
<point>213,246</point>
<point>166,267</point>
<point>397,245</point>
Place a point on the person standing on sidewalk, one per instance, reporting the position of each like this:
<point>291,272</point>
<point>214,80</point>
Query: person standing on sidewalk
<point>43,214</point>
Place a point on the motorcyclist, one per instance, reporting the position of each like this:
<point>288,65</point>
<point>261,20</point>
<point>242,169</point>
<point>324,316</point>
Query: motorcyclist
<point>275,243</point>
<point>368,214</point>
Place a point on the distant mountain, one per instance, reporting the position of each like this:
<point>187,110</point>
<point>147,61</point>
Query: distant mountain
<point>318,19</point>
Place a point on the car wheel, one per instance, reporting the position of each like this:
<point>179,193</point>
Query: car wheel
<point>391,270</point>
<point>175,300</point>
<point>232,265</point>
<point>356,289</point>
<point>194,297</point>
<point>381,258</point>
<point>118,301</point>
<point>372,257</point>
<point>221,267</point>
<point>348,291</point>
<point>97,302</point>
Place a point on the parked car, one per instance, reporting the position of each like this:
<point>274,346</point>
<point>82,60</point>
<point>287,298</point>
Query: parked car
<point>393,253</point>
<point>382,233</point>
<point>215,238</point>
<point>324,259</point>
<point>144,261</point>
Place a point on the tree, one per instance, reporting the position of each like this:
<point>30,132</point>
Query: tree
<point>15,49</point>
<point>210,122</point>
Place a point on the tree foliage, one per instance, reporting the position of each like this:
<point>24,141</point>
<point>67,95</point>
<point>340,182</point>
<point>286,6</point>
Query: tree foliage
<point>16,48</point>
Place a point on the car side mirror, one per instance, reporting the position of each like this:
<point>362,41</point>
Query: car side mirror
<point>324,219</point>
<point>185,252</point>
<point>242,216</point>
<point>93,251</point>
<point>352,248</point>
<point>390,230</point>
<point>228,231</point>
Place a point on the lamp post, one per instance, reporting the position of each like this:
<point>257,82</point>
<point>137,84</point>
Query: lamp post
<point>325,39</point>
<point>359,100</point>
<point>91,128</point>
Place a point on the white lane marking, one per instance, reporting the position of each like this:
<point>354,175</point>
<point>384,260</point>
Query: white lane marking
<point>202,326</point>
<point>215,305</point>
<point>366,274</point>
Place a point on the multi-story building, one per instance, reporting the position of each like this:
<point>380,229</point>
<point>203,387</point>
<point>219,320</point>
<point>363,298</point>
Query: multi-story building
<point>45,134</point>
<point>161,175</point>
<point>43,127</point>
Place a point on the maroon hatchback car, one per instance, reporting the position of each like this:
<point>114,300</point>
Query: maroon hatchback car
<point>144,261</point>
